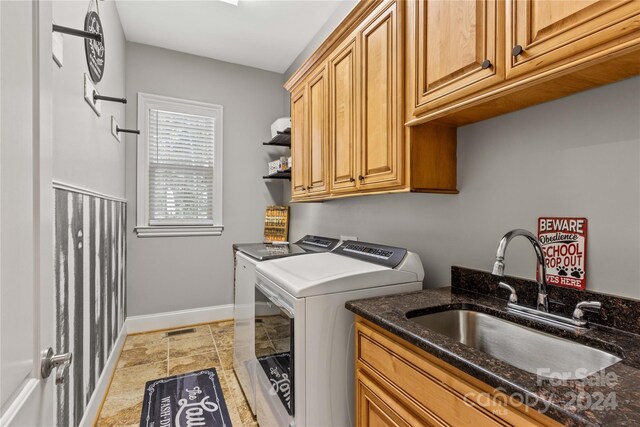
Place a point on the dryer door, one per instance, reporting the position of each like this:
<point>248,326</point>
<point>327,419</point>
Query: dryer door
<point>275,318</point>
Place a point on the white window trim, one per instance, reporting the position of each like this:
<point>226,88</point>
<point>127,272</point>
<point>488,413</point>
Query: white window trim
<point>146,102</point>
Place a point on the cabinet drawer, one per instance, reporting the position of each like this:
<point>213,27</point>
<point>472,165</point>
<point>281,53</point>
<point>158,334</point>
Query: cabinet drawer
<point>377,408</point>
<point>433,390</point>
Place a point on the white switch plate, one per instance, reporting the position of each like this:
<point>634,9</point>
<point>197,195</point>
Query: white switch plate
<point>345,238</point>
<point>89,88</point>
<point>57,47</point>
<point>114,127</point>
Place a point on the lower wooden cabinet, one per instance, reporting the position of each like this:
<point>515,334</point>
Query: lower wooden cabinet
<point>398,384</point>
<point>377,408</point>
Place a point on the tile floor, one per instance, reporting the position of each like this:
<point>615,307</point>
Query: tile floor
<point>153,355</point>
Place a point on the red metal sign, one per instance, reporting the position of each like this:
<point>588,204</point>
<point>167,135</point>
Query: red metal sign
<point>564,242</point>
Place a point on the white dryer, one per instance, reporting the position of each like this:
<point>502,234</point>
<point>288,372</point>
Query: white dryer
<point>307,380</point>
<point>246,258</point>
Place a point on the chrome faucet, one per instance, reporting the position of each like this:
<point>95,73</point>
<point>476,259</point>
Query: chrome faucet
<point>541,312</point>
<point>498,267</point>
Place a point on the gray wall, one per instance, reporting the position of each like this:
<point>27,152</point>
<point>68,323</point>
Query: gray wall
<point>577,156</point>
<point>176,273</point>
<point>85,153</point>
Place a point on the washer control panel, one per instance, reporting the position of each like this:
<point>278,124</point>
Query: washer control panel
<point>317,243</point>
<point>388,256</point>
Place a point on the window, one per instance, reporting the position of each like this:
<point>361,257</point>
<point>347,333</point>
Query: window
<point>179,167</point>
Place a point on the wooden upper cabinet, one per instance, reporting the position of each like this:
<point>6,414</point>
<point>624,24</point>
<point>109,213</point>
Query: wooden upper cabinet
<point>318,161</point>
<point>343,98</point>
<point>381,151</point>
<point>457,49</point>
<point>550,31</point>
<point>348,110</point>
<point>298,142</point>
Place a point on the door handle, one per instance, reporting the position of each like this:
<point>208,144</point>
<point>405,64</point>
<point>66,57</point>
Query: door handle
<point>59,362</point>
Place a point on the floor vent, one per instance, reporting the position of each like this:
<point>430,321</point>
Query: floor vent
<point>180,332</point>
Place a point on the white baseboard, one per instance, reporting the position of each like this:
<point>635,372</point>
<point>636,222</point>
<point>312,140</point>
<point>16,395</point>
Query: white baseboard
<point>176,319</point>
<point>92,410</point>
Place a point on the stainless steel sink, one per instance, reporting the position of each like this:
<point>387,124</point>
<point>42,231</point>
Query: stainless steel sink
<point>525,348</point>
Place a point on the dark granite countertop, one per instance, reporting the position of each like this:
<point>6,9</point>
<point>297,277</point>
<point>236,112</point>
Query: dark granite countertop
<point>610,397</point>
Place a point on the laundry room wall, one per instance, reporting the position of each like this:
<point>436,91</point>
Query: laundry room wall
<point>90,210</point>
<point>182,273</point>
<point>576,156</point>
<point>85,154</point>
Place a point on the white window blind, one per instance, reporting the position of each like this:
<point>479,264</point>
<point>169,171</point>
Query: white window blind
<point>181,168</point>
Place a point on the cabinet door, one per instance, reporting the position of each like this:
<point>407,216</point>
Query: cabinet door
<point>381,150</point>
<point>376,408</point>
<point>458,49</point>
<point>550,31</point>
<point>318,170</point>
<point>299,142</point>
<point>343,109</point>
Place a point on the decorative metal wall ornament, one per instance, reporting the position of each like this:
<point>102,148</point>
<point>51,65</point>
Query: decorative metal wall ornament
<point>94,50</point>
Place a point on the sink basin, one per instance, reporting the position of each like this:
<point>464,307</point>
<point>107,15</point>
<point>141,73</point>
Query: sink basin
<point>528,349</point>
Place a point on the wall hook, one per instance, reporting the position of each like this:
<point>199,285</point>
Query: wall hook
<point>136,131</point>
<point>78,33</point>
<point>97,97</point>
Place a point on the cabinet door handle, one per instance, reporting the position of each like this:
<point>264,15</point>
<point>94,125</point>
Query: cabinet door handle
<point>486,64</point>
<point>361,178</point>
<point>517,50</point>
<point>352,179</point>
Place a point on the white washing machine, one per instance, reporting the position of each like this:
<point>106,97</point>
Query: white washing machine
<point>247,257</point>
<point>307,379</point>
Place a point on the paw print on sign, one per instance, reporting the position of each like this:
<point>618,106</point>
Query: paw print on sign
<point>562,271</point>
<point>577,272</point>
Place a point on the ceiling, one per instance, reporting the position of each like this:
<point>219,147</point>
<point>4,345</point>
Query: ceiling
<point>264,34</point>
